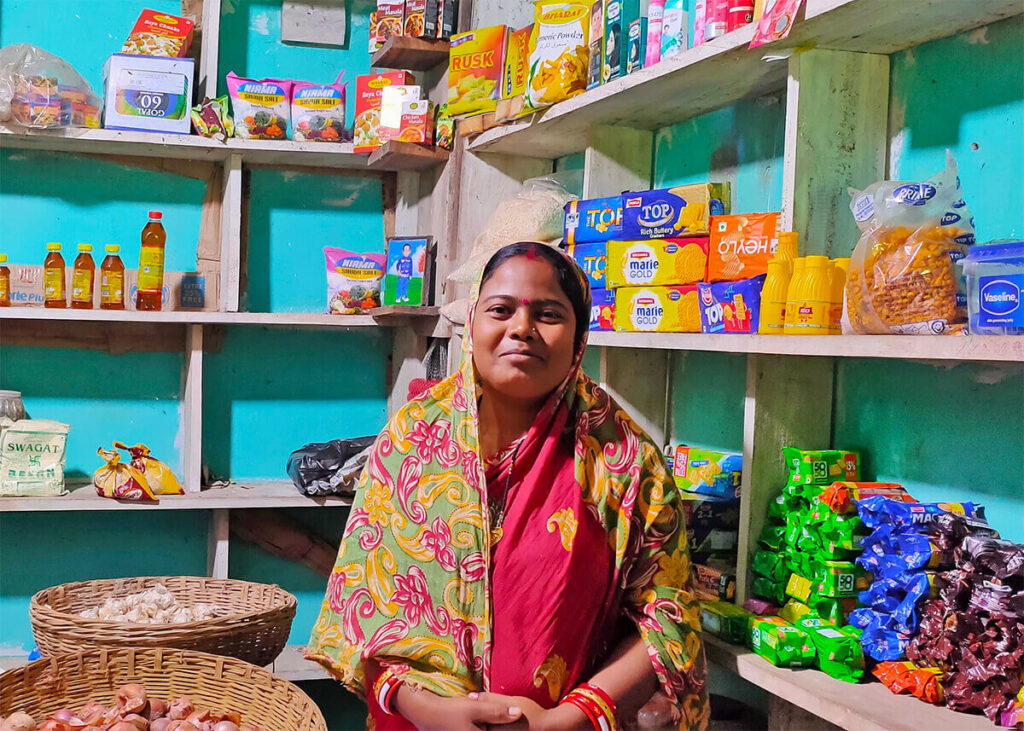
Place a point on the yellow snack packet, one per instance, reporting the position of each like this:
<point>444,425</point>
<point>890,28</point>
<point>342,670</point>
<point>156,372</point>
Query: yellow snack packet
<point>558,53</point>
<point>158,475</point>
<point>657,309</point>
<point>120,481</point>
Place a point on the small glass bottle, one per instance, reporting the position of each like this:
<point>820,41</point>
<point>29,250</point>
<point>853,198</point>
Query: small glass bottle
<point>5,282</point>
<point>112,280</point>
<point>151,264</point>
<point>82,279</point>
<point>54,278</point>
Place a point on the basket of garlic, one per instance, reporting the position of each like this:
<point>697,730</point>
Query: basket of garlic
<point>151,689</point>
<point>240,619</point>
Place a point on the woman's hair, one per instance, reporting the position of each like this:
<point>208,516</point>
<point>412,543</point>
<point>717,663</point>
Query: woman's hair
<point>568,280</point>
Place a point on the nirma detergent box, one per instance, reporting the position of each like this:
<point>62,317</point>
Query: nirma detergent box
<point>657,309</point>
<point>685,210</point>
<point>593,220</point>
<point>731,307</point>
<point>656,261</point>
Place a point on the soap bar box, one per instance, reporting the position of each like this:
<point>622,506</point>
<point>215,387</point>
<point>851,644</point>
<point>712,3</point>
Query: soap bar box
<point>148,93</point>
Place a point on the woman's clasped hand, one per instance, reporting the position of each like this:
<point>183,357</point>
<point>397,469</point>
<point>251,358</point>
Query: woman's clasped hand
<point>430,712</point>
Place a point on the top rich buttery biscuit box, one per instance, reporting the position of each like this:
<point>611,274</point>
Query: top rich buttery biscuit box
<point>684,210</point>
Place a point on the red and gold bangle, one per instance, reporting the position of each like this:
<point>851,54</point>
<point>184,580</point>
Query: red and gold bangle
<point>598,705</point>
<point>385,689</point>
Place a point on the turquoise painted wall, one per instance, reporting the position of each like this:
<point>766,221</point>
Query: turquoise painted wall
<point>707,400</point>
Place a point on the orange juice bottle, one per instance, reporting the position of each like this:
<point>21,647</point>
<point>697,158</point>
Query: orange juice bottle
<point>5,282</point>
<point>839,268</point>
<point>815,298</point>
<point>786,250</point>
<point>112,280</point>
<point>54,280</point>
<point>151,264</point>
<point>773,296</point>
<point>82,279</point>
<point>793,292</point>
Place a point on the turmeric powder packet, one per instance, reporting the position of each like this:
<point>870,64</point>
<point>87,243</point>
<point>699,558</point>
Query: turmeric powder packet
<point>157,474</point>
<point>559,53</point>
<point>120,481</point>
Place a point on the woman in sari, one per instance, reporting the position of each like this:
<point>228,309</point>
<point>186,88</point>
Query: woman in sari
<point>515,555</point>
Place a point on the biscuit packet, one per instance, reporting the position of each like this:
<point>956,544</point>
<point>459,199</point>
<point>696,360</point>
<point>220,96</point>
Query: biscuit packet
<point>741,245</point>
<point>725,620</point>
<point>559,53</point>
<point>821,467</point>
<point>120,481</point>
<point>656,261</point>
<point>780,643</point>
<point>837,649</point>
<point>158,475</point>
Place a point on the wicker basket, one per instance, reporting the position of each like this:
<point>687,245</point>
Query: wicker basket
<point>213,683</point>
<point>253,626</point>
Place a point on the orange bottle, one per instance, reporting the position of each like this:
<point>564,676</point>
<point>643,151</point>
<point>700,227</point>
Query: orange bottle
<point>786,250</point>
<point>151,264</point>
<point>814,301</point>
<point>839,268</point>
<point>773,296</point>
<point>55,291</point>
<point>5,282</point>
<point>793,292</point>
<point>112,280</point>
<point>82,279</point>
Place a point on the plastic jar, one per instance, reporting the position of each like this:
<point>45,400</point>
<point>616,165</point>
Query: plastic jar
<point>11,405</point>
<point>995,288</point>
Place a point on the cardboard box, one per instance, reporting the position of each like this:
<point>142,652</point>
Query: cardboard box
<point>416,124</point>
<point>602,309</point>
<point>517,63</point>
<point>393,99</point>
<point>657,262</point>
<point>415,18</point>
<point>707,472</point>
<point>593,219</point>
<point>159,34</point>
<point>369,87</point>
<point>148,93</point>
<point>595,67</point>
<point>593,260</point>
<point>390,20</point>
<point>444,128</point>
<point>618,14</point>
<point>684,210</point>
<point>375,41</point>
<point>476,64</point>
<point>657,309</point>
<point>449,19</point>
<point>637,45</point>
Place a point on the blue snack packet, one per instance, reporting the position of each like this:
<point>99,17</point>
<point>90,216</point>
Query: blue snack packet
<point>593,260</point>
<point>593,220</point>
<point>731,307</point>
<point>877,511</point>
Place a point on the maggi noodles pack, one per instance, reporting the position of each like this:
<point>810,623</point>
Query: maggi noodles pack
<point>593,220</point>
<point>657,309</point>
<point>707,472</point>
<point>559,53</point>
<point>656,262</point>
<point>685,210</point>
<point>731,307</point>
<point>593,260</point>
<point>741,246</point>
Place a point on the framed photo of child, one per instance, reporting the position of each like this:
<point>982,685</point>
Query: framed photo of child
<point>408,276</point>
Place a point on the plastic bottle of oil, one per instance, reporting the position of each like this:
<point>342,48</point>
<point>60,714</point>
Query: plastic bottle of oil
<point>815,299</point>
<point>773,297</point>
<point>112,280</point>
<point>793,292</point>
<point>55,291</point>
<point>82,279</point>
<point>151,264</point>
<point>786,250</point>
<point>5,282</point>
<point>839,268</point>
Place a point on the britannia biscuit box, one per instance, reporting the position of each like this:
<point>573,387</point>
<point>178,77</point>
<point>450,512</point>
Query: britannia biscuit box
<point>593,260</point>
<point>602,309</point>
<point>594,219</point>
<point>657,309</point>
<point>731,307</point>
<point>656,262</point>
<point>684,210</point>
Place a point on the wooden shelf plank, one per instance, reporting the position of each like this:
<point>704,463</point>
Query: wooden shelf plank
<point>863,706</point>
<point>381,316</point>
<point>414,54</point>
<point>724,70</point>
<point>403,156</point>
<point>246,494</point>
<point>955,348</point>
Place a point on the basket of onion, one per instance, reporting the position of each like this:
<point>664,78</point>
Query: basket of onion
<point>148,689</point>
<point>240,619</point>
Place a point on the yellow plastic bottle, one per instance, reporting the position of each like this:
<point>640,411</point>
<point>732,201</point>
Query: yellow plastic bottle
<point>5,282</point>
<point>840,267</point>
<point>793,294</point>
<point>82,279</point>
<point>786,250</point>
<point>773,297</point>
<point>814,301</point>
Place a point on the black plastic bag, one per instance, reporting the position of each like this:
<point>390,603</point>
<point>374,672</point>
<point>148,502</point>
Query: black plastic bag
<point>329,468</point>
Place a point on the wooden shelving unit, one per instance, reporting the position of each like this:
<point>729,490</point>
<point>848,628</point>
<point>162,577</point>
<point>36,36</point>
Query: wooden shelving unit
<point>382,316</point>
<point>406,156</point>
<point>414,54</point>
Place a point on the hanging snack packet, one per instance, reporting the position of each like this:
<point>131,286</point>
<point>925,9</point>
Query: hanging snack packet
<point>838,651</point>
<point>213,119</point>
<point>120,481</point>
<point>905,677</point>
<point>780,643</point>
<point>822,467</point>
<point>559,53</point>
<point>725,620</point>
<point>353,280</point>
<point>262,108</point>
<point>318,111</point>
<point>158,475</point>
<point>840,496</point>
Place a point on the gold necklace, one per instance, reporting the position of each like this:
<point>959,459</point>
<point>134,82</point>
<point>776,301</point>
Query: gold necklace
<point>496,509</point>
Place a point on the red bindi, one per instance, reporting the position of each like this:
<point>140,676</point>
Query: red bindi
<point>531,253</point>
<point>526,302</point>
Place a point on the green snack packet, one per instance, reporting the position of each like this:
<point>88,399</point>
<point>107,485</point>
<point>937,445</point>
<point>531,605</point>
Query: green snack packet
<point>830,610</point>
<point>800,562</point>
<point>780,643</point>
<point>725,620</point>
<point>772,536</point>
<point>773,591</point>
<point>839,579</point>
<point>777,508</point>
<point>840,534</point>
<point>809,541</point>
<point>793,611</point>
<point>771,565</point>
<point>838,649</point>
<point>824,467</point>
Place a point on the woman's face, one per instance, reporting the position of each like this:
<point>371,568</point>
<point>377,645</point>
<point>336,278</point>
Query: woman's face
<point>524,330</point>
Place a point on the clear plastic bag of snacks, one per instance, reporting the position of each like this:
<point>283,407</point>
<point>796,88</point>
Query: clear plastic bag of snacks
<point>43,91</point>
<point>903,276</point>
